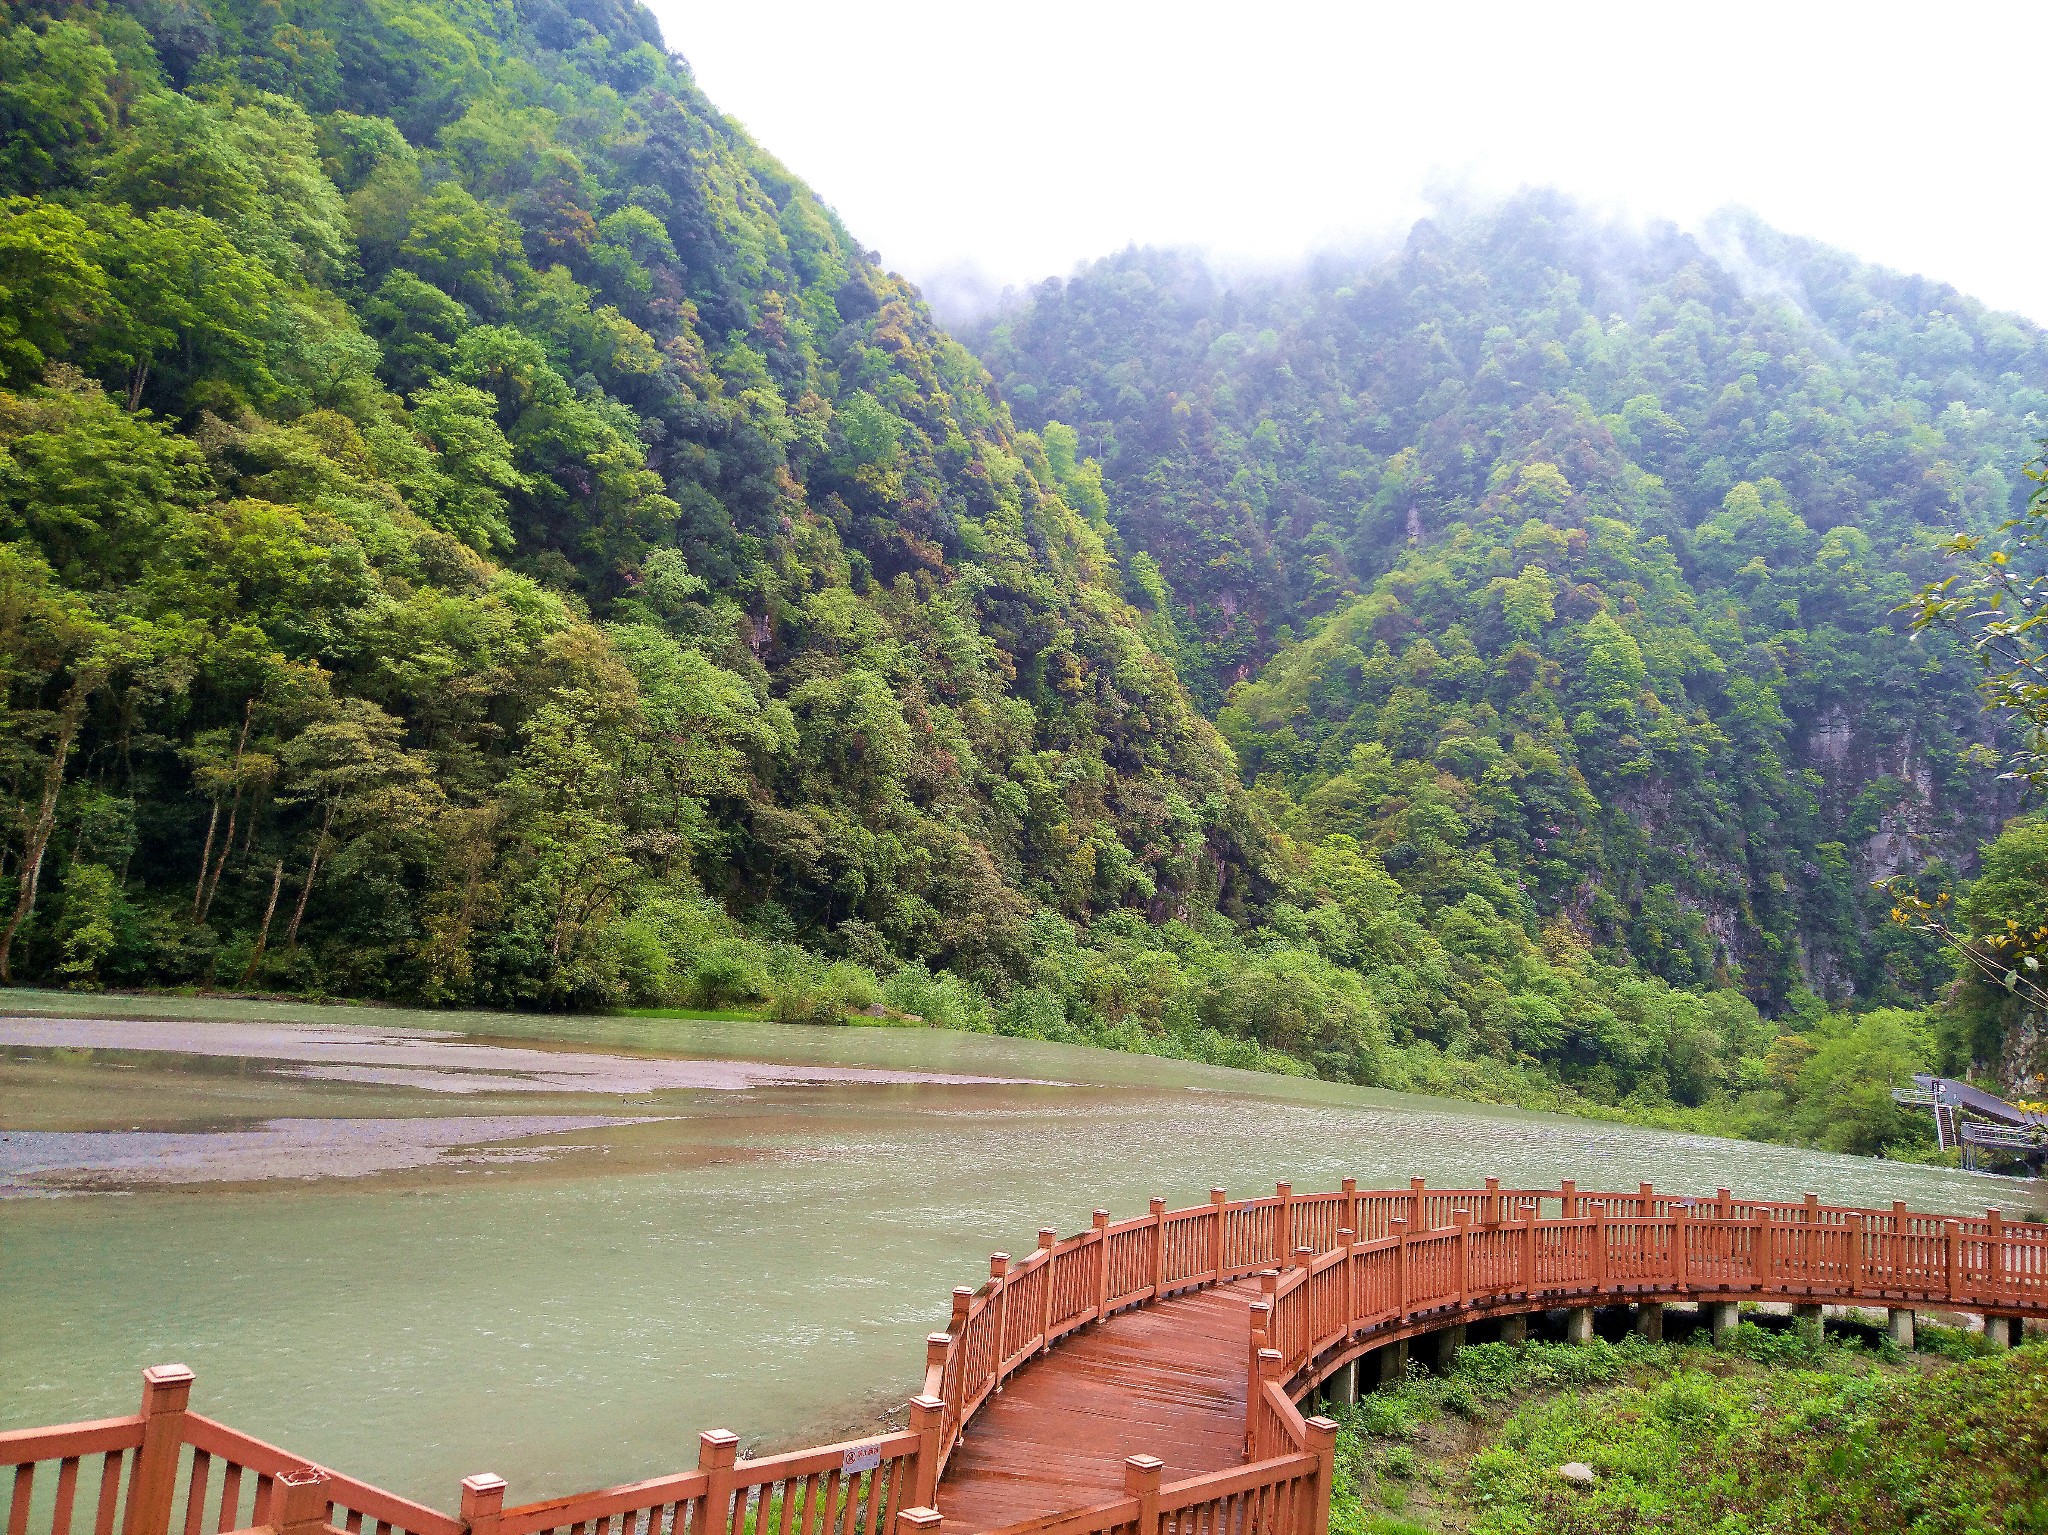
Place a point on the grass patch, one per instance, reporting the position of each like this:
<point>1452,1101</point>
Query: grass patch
<point>1772,1432</point>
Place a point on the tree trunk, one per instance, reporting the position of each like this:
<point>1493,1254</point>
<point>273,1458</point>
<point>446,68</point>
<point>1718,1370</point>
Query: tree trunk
<point>208,888</point>
<point>291,933</point>
<point>205,858</point>
<point>263,937</point>
<point>227,846</point>
<point>38,841</point>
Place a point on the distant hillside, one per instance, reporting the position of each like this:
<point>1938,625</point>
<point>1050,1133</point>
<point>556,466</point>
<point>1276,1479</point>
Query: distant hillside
<point>1554,562</point>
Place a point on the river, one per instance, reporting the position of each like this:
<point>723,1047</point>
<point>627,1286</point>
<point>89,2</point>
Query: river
<point>418,1245</point>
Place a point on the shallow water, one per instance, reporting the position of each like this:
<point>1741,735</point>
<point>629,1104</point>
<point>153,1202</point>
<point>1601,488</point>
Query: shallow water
<point>765,1256</point>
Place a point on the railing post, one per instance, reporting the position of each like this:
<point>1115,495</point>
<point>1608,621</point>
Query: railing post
<point>956,1387</point>
<point>999,1279</point>
<point>153,1484</point>
<point>1261,1340</point>
<point>483,1499</point>
<point>1648,1195</point>
<point>1462,1221</point>
<point>927,1421</point>
<point>1400,1231</point>
<point>1283,1222</point>
<point>1895,1269</point>
<point>1322,1443</point>
<point>1415,1187</point>
<point>1568,1199</point>
<point>1995,1254</point>
<point>1347,1239</point>
<point>917,1521</point>
<point>1600,1244</point>
<point>938,1356</point>
<point>1048,1239</point>
<point>717,1449</point>
<point>1489,1209</point>
<point>1721,1204</point>
<point>1142,1475</point>
<point>1854,1275</point>
<point>1952,1251</point>
<point>1101,1223</point>
<point>1348,1190</point>
<point>1530,1217</point>
<point>1219,1232</point>
<point>1158,1209</point>
<point>298,1505</point>
<point>1680,1224</point>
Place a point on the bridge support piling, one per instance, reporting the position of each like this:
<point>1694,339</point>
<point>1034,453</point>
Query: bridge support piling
<point>2001,1332</point>
<point>1391,1364</point>
<point>1722,1318</point>
<point>1810,1318</point>
<point>1446,1342</point>
<point>1898,1325</point>
<point>1578,1325</point>
<point>1343,1387</point>
<point>1650,1320</point>
<point>1515,1329</point>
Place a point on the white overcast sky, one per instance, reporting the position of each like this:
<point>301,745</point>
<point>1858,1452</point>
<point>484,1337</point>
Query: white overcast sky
<point>1015,141</point>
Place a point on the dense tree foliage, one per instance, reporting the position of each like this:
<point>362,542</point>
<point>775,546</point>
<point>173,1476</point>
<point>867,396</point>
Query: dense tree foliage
<point>476,528</point>
<point>1556,563</point>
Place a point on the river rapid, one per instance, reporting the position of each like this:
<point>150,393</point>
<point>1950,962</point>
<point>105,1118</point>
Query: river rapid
<point>418,1245</point>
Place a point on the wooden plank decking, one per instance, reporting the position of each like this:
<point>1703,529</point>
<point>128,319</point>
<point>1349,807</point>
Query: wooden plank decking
<point>1165,1380</point>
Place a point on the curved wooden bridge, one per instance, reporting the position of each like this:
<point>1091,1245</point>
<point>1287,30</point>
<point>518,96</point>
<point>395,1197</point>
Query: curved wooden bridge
<point>1139,1378</point>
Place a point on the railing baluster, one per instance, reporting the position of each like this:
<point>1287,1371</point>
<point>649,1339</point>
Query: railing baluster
<point>67,1494</point>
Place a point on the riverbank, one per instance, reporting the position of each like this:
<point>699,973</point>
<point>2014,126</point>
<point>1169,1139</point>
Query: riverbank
<point>1775,1431</point>
<point>1823,1083</point>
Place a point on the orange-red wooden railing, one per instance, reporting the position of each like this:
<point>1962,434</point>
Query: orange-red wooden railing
<point>1341,1272</point>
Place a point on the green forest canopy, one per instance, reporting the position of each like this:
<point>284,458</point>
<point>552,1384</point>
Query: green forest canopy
<point>478,530</point>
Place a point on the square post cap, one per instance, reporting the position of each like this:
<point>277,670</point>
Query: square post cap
<point>1142,1473</point>
<point>301,1504</point>
<point>717,1448</point>
<point>165,1388</point>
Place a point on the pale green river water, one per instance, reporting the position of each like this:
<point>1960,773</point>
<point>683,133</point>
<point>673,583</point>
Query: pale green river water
<point>568,1310</point>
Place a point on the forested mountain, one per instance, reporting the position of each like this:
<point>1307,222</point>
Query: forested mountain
<point>474,528</point>
<point>472,520</point>
<point>1554,561</point>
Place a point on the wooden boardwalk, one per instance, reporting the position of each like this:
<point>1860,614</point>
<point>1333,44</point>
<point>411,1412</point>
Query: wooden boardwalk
<point>1141,1377</point>
<point>1167,1380</point>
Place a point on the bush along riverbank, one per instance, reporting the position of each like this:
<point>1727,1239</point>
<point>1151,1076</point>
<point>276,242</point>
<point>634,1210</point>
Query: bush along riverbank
<point>1774,1431</point>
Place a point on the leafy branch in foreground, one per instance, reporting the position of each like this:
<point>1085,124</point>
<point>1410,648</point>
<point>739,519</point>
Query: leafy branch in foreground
<point>1996,605</point>
<point>2009,959</point>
